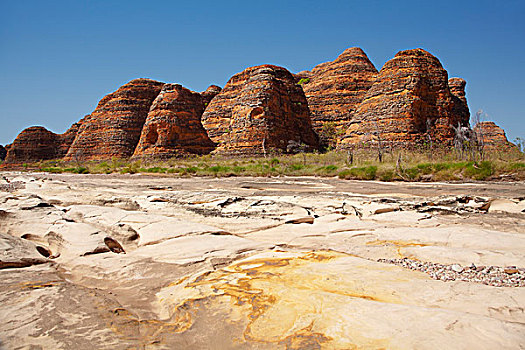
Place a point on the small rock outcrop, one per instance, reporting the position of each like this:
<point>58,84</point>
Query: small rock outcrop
<point>335,89</point>
<point>37,143</point>
<point>114,128</point>
<point>492,135</point>
<point>173,126</point>
<point>33,144</point>
<point>409,100</point>
<point>259,109</point>
<point>3,152</point>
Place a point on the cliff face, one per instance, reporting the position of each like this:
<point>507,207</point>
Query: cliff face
<point>335,89</point>
<point>114,128</point>
<point>173,126</point>
<point>259,109</point>
<point>410,98</point>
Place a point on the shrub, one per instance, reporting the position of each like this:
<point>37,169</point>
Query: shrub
<point>303,81</point>
<point>479,171</point>
<point>54,170</point>
<point>363,173</point>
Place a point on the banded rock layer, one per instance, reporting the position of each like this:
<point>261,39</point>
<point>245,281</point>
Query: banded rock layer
<point>114,128</point>
<point>492,135</point>
<point>259,109</point>
<point>335,89</point>
<point>410,99</point>
<point>37,143</point>
<point>173,126</point>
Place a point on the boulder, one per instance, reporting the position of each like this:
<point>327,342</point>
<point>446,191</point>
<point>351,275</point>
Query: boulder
<point>173,126</point>
<point>409,102</point>
<point>114,127</point>
<point>335,89</point>
<point>259,109</point>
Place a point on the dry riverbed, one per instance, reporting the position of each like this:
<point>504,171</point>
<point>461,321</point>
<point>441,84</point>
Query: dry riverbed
<point>149,262</point>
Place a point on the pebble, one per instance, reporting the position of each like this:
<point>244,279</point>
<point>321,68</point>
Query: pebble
<point>497,276</point>
<point>457,268</point>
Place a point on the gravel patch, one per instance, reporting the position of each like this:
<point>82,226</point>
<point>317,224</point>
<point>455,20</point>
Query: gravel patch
<point>498,276</point>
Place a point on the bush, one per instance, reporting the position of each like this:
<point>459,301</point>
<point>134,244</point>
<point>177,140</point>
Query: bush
<point>77,170</point>
<point>303,81</point>
<point>363,173</point>
<point>387,175</point>
<point>479,171</point>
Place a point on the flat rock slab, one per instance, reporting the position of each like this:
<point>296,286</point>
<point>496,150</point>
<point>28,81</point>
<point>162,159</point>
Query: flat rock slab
<point>243,263</point>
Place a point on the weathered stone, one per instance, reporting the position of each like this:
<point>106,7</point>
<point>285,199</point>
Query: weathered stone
<point>305,220</point>
<point>409,101</point>
<point>259,109</point>
<point>335,89</point>
<point>114,128</point>
<point>3,152</point>
<point>37,143</point>
<point>492,135</point>
<point>173,126</point>
<point>33,144</point>
<point>210,93</point>
<point>460,111</point>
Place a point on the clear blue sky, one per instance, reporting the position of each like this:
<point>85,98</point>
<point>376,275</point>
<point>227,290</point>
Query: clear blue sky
<point>59,58</point>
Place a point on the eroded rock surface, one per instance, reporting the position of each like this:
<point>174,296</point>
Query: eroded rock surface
<point>492,135</point>
<point>114,127</point>
<point>409,100</point>
<point>173,126</point>
<point>209,94</point>
<point>3,152</point>
<point>335,89</point>
<point>245,263</point>
<point>258,110</point>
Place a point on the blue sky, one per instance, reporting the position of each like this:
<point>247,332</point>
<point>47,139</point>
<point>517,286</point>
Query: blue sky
<point>59,58</point>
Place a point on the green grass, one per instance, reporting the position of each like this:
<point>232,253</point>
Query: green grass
<point>362,173</point>
<point>396,166</point>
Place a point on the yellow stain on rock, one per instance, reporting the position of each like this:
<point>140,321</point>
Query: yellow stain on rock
<point>287,299</point>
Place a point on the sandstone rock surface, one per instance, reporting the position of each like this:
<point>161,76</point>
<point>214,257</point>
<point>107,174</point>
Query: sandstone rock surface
<point>173,126</point>
<point>33,144</point>
<point>210,93</point>
<point>3,152</point>
<point>114,127</point>
<point>492,135</point>
<point>335,89</point>
<point>410,99</point>
<point>213,263</point>
<point>259,109</point>
<point>37,143</point>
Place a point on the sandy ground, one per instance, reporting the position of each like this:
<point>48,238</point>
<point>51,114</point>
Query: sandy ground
<point>151,262</point>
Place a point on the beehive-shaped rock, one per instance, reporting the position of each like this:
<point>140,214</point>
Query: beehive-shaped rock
<point>114,128</point>
<point>409,100</point>
<point>259,109</point>
<point>173,126</point>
